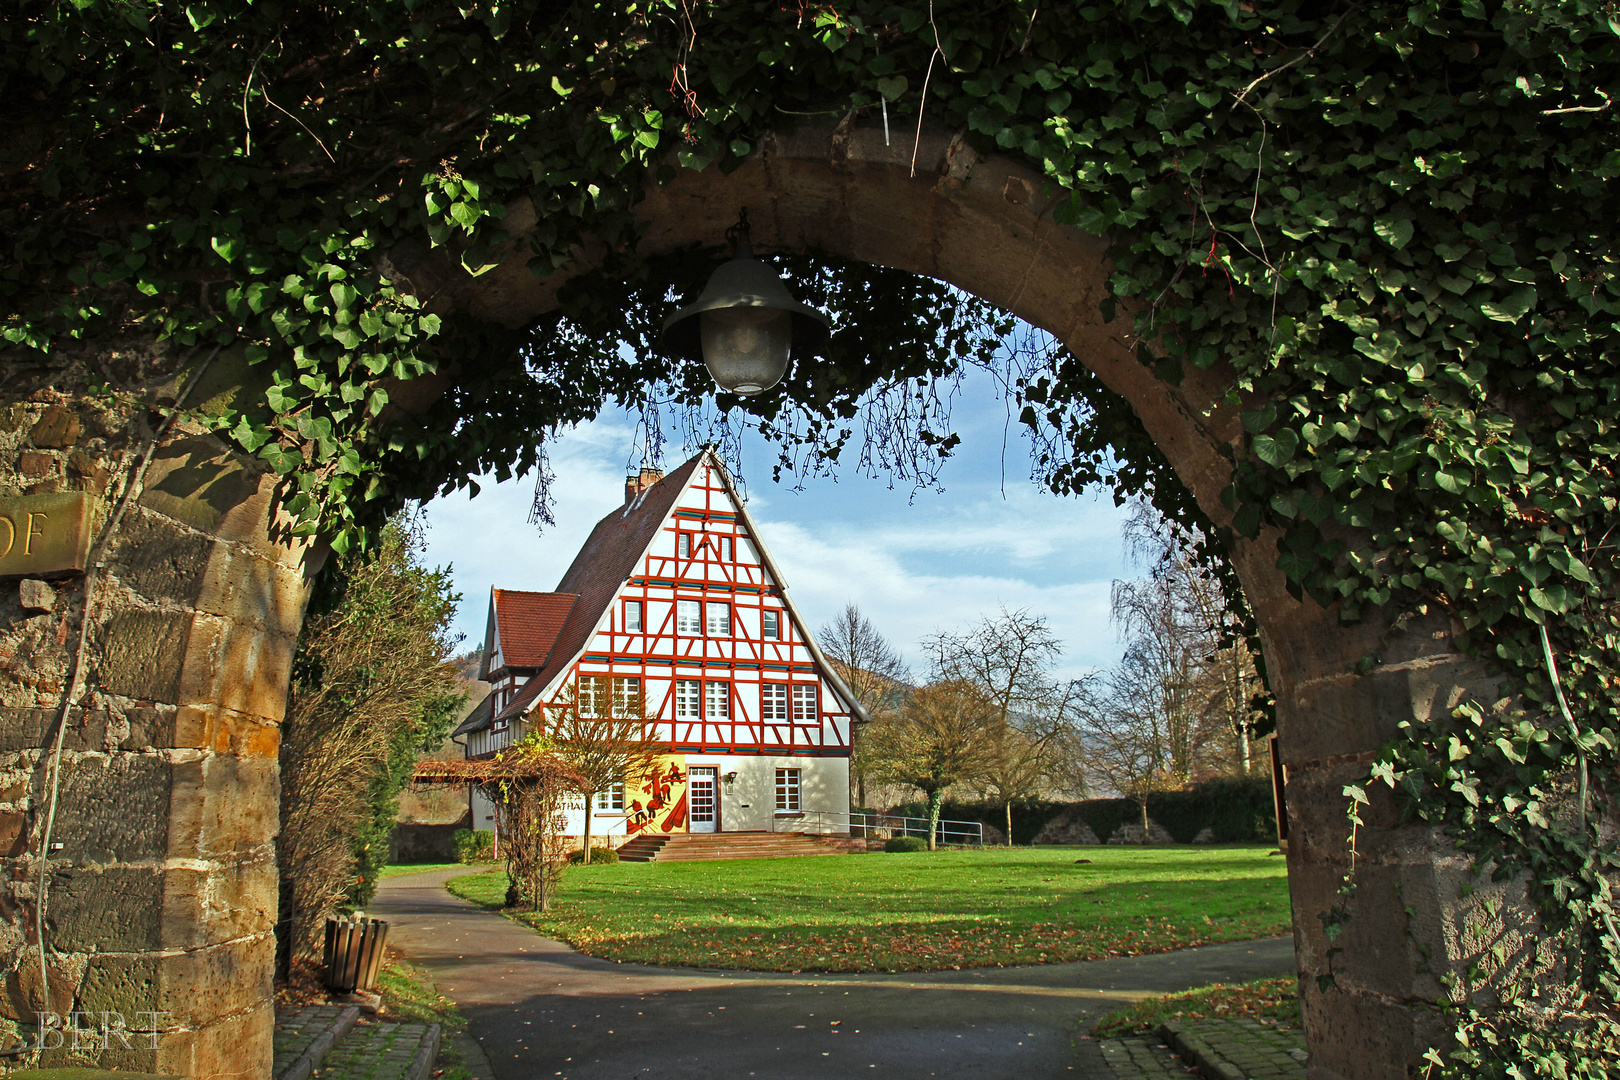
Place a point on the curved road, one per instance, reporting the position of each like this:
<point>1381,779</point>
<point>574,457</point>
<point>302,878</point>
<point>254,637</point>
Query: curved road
<point>541,1010</point>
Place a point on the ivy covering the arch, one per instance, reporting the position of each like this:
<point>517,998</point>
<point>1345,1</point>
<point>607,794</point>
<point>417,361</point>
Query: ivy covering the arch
<point>1389,225</point>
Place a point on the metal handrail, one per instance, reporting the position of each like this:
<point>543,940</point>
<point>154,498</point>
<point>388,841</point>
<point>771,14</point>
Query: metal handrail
<point>886,826</point>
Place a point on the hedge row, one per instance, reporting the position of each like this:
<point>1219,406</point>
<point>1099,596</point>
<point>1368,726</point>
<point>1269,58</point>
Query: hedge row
<point>1234,810</point>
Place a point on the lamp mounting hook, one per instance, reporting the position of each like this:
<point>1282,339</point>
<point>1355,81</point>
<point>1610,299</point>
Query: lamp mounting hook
<point>738,235</point>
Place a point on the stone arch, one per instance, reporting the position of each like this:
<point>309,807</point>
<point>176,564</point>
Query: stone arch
<point>221,622</point>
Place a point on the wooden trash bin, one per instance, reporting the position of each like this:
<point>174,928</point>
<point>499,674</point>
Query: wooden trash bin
<point>354,952</point>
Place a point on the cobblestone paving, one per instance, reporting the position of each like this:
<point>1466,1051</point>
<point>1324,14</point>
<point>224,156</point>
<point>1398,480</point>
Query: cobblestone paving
<point>1143,1057</point>
<point>373,1052</point>
<point>295,1033</point>
<point>1261,1051</point>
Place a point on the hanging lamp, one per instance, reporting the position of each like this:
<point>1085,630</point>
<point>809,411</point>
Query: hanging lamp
<point>745,326</point>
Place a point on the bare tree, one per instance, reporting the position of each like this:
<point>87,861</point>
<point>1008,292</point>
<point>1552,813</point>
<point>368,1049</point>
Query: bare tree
<point>870,667</point>
<point>938,739</point>
<point>602,731</point>
<point>1009,659</point>
<point>1185,650</point>
<point>1124,745</point>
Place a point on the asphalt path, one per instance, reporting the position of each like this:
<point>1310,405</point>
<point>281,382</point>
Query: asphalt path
<point>541,1010</point>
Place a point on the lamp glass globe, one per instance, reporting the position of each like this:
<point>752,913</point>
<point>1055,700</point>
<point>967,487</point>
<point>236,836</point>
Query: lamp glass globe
<point>746,349</point>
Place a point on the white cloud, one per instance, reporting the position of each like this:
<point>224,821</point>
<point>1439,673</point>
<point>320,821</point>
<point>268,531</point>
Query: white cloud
<point>915,564</point>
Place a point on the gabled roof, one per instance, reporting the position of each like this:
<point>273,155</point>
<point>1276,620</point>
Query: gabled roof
<point>611,554</point>
<point>614,553</point>
<point>526,626</point>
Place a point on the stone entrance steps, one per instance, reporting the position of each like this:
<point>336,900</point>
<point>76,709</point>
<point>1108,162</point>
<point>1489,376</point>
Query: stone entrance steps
<point>692,847</point>
<point>336,1041</point>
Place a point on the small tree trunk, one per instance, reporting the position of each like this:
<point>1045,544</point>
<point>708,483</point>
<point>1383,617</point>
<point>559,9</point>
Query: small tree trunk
<point>587,838</point>
<point>936,800</point>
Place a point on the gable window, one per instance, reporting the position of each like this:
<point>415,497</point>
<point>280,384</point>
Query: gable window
<point>773,701</point>
<point>688,617</point>
<point>683,545</point>
<point>719,620</point>
<point>804,701</point>
<point>772,624</point>
<point>627,697</point>
<point>610,797</point>
<point>688,694</point>
<point>632,616</point>
<point>727,549</point>
<point>787,791</point>
<point>717,700</point>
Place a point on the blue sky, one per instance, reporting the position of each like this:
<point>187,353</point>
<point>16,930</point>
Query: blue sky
<point>914,563</point>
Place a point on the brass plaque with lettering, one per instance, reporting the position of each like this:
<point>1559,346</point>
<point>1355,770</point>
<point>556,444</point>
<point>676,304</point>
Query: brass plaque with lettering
<point>45,536</point>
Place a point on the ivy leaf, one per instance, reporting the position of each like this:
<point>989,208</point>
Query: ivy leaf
<point>1513,307</point>
<point>1276,450</point>
<point>1396,232</point>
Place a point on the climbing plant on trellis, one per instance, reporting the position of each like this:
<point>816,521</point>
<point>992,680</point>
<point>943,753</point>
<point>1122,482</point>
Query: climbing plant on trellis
<point>1388,226</point>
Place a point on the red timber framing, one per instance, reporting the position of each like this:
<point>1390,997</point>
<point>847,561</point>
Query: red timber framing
<point>676,591</point>
<point>708,555</point>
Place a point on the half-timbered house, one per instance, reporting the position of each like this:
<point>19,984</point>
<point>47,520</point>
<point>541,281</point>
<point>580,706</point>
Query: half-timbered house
<point>675,604</point>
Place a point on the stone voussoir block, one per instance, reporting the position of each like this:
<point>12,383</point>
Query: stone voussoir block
<point>224,808</point>
<point>237,668</point>
<point>111,808</point>
<point>105,909</point>
<point>141,653</point>
<point>196,987</point>
<point>209,907</point>
<point>205,727</point>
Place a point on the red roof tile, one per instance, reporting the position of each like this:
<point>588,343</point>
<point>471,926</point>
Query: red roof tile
<point>607,560</point>
<point>528,624</point>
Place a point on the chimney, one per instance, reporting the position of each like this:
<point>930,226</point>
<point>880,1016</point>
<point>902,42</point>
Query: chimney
<point>635,485</point>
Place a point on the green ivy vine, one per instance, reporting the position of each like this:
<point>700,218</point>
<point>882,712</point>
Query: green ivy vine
<point>1390,224</point>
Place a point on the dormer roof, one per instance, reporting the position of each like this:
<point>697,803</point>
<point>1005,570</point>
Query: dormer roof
<point>523,629</point>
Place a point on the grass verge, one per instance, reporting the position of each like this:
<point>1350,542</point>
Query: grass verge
<point>912,912</point>
<point>392,871</point>
<point>1271,1001</point>
<point>409,996</point>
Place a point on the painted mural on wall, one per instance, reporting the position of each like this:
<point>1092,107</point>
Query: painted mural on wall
<point>658,803</point>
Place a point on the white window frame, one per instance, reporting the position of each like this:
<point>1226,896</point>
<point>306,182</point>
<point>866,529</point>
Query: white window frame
<point>688,699</point>
<point>802,693</point>
<point>689,618</point>
<point>789,791</point>
<point>716,700</point>
<point>626,695</point>
<point>770,624</point>
<point>717,618</point>
<point>594,695</point>
<point>633,621</point>
<point>773,702</point>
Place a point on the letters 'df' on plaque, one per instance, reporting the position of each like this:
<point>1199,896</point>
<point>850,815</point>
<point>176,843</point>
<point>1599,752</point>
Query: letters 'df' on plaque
<point>45,536</point>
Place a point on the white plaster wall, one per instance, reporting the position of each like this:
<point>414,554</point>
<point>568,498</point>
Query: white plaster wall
<point>748,803</point>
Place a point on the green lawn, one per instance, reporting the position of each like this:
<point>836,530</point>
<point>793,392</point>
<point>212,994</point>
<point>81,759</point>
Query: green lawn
<point>913,912</point>
<point>392,871</point>
<point>1271,1001</point>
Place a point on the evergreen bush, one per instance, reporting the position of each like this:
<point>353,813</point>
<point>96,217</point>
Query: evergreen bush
<point>906,843</point>
<point>474,846</point>
<point>598,855</point>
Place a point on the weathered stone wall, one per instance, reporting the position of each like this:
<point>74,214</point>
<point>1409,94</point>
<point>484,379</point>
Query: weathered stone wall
<point>161,894</point>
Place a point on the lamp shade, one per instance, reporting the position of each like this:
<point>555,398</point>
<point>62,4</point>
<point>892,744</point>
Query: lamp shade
<point>745,327</point>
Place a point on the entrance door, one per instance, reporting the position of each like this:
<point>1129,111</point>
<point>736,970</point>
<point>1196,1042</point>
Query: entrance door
<point>701,794</point>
